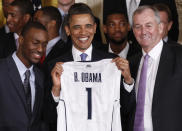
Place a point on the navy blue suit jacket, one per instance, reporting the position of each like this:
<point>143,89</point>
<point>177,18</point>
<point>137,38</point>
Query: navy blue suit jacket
<point>13,110</point>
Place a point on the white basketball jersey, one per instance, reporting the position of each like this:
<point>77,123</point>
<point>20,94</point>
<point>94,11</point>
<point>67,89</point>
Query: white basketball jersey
<point>90,97</point>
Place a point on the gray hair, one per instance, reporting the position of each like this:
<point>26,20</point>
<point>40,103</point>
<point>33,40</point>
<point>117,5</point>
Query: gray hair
<point>141,9</point>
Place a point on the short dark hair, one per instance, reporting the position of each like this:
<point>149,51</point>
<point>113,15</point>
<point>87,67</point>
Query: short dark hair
<point>111,12</point>
<point>31,25</point>
<point>25,6</point>
<point>53,14</point>
<point>79,8</point>
<point>165,8</point>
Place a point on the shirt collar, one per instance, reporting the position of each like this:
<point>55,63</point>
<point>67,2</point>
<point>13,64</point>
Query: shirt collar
<point>165,39</point>
<point>76,53</point>
<point>6,28</point>
<point>16,36</point>
<point>21,67</point>
<point>123,53</point>
<point>51,43</point>
<point>62,12</point>
<point>156,50</point>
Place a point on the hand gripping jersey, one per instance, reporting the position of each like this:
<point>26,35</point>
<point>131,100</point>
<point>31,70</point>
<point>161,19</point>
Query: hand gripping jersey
<point>90,97</point>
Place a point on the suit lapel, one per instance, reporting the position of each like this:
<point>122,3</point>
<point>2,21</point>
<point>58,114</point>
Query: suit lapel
<point>164,73</point>
<point>38,92</point>
<point>16,79</point>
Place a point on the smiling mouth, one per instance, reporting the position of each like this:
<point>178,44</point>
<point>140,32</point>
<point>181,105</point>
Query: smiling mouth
<point>83,39</point>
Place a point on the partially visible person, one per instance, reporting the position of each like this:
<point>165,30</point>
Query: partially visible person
<point>81,27</point>
<point>166,19</point>
<point>116,29</point>
<point>37,4</point>
<point>129,6</point>
<point>63,7</point>
<point>5,29</point>
<point>50,17</point>
<point>18,14</point>
<point>158,75</point>
<point>21,83</point>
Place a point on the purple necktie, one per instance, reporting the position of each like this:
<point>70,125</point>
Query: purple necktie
<point>83,56</point>
<point>139,114</point>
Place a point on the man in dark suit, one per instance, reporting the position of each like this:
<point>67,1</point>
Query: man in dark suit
<point>125,5</point>
<point>158,98</point>
<point>21,83</point>
<point>50,17</point>
<point>19,13</point>
<point>166,19</point>
<point>116,29</point>
<point>81,27</point>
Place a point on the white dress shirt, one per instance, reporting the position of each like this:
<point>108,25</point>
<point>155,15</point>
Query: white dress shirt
<point>76,53</point>
<point>16,36</point>
<point>22,69</point>
<point>123,53</point>
<point>6,29</point>
<point>165,39</point>
<point>51,44</point>
<point>153,64</point>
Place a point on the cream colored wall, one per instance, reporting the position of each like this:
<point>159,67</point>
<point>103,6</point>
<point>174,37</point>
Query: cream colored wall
<point>179,8</point>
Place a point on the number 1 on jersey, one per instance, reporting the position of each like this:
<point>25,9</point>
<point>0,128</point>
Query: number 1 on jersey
<point>89,101</point>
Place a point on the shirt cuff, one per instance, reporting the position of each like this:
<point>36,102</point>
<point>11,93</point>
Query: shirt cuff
<point>56,98</point>
<point>127,87</point>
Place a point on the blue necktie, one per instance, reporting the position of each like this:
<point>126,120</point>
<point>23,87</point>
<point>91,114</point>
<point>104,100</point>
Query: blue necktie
<point>139,114</point>
<point>83,56</point>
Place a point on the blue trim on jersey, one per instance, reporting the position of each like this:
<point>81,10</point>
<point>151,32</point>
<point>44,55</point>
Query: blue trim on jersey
<point>89,91</point>
<point>65,113</point>
<point>112,117</point>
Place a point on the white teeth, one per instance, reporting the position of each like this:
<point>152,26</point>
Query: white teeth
<point>83,39</point>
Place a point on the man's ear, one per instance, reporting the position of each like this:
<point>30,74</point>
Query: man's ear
<point>170,25</point>
<point>20,40</point>
<point>51,24</point>
<point>105,29</point>
<point>67,29</point>
<point>161,27</point>
<point>26,18</point>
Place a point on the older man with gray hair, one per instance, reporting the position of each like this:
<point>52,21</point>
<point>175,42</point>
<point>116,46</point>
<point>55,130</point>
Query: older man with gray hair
<point>158,76</point>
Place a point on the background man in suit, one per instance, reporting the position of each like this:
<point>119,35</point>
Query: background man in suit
<point>21,83</point>
<point>158,81</point>
<point>81,27</point>
<point>63,7</point>
<point>50,17</point>
<point>19,13</point>
<point>166,19</point>
<point>116,29</point>
<point>130,5</point>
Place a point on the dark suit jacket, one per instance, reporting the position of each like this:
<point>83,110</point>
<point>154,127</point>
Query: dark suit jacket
<point>2,31</point>
<point>166,104</point>
<point>121,5</point>
<point>51,113</point>
<point>13,110</point>
<point>8,45</point>
<point>58,49</point>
